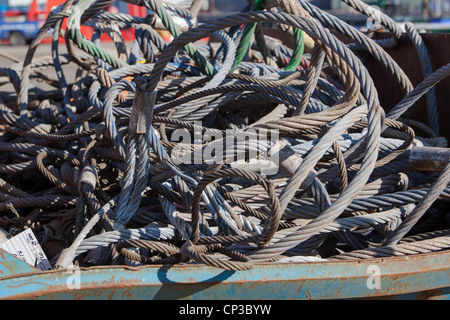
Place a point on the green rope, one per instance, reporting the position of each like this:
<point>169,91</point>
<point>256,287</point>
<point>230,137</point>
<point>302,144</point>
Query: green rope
<point>249,31</point>
<point>244,44</point>
<point>298,52</point>
<point>173,28</point>
<point>73,25</point>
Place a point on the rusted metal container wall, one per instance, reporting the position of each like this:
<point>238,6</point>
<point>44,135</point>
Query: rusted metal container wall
<point>417,277</point>
<point>406,56</point>
<point>423,276</point>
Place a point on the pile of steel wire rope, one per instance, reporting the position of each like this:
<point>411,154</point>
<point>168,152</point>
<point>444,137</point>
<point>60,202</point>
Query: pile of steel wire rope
<point>228,152</point>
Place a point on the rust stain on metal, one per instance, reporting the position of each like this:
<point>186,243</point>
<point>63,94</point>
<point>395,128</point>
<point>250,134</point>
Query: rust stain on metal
<point>299,287</point>
<point>429,158</point>
<point>112,285</point>
<point>88,289</point>
<point>28,283</point>
<point>430,294</point>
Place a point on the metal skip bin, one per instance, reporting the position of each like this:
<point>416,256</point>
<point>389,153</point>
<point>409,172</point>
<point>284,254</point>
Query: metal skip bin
<point>424,276</point>
<point>118,161</point>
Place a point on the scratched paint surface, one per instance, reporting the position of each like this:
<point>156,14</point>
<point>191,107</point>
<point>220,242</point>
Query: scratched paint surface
<point>412,277</point>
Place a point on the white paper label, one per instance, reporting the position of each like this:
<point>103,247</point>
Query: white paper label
<point>26,247</point>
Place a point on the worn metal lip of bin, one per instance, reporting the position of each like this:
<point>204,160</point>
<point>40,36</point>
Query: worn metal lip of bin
<point>421,276</point>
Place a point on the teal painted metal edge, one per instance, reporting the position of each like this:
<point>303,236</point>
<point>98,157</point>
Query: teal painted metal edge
<point>426,274</point>
<point>10,265</point>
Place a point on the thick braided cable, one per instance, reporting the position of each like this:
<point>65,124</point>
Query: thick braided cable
<point>317,59</point>
<point>50,22</point>
<point>369,11</point>
<point>408,248</point>
<point>429,82</point>
<point>432,112</point>
<point>375,117</point>
<point>436,189</point>
<point>247,36</point>
<point>307,25</point>
<point>370,45</point>
<point>109,237</point>
<point>317,153</point>
<point>299,49</point>
<point>270,225</point>
<point>168,22</point>
<point>73,26</point>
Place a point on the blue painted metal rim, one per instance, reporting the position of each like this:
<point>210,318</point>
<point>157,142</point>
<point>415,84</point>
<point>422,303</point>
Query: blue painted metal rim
<point>422,274</point>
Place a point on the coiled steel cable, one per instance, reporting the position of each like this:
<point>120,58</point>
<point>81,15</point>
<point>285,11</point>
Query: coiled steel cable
<point>202,199</point>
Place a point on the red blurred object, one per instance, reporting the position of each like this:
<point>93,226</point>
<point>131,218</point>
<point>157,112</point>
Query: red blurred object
<point>136,11</point>
<point>86,31</point>
<point>36,14</point>
<point>12,13</point>
<point>32,14</point>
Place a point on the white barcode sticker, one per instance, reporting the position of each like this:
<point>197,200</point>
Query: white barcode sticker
<point>26,247</point>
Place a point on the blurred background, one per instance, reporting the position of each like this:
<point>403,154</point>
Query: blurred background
<point>21,19</point>
<point>400,10</point>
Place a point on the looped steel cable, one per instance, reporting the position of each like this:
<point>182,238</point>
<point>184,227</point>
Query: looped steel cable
<point>170,251</point>
<point>270,224</point>
<point>85,161</point>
